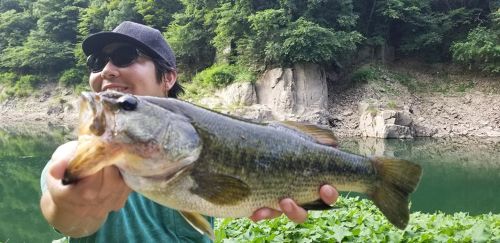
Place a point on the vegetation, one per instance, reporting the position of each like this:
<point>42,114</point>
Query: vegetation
<point>41,39</point>
<point>481,49</point>
<point>358,220</point>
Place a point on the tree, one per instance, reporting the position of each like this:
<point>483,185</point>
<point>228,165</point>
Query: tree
<point>307,42</point>
<point>158,13</point>
<point>260,47</point>
<point>119,11</point>
<point>231,24</point>
<point>49,47</point>
<point>190,36</point>
<point>38,55</point>
<point>14,28</point>
<point>481,49</point>
<point>92,18</point>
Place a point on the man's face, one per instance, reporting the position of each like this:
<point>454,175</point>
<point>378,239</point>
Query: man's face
<point>138,78</point>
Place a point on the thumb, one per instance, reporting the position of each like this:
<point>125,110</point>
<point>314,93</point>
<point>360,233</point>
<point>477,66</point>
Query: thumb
<point>60,159</point>
<point>57,169</point>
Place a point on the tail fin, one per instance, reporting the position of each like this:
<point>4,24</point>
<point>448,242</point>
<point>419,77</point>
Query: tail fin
<point>397,179</point>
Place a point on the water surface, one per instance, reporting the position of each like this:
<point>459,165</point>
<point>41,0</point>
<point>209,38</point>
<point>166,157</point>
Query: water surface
<point>23,154</point>
<point>460,175</point>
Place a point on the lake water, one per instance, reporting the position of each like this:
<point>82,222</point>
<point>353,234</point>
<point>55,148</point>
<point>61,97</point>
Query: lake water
<point>459,175</point>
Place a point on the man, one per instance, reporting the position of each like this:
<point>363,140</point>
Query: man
<point>134,59</point>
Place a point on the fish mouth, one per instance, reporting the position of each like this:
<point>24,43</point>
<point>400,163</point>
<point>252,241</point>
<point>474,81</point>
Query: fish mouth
<point>93,152</point>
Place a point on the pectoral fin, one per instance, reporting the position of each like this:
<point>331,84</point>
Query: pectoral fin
<point>199,223</point>
<point>220,189</point>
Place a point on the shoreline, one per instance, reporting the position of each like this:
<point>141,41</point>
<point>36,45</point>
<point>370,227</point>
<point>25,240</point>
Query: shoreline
<point>467,114</point>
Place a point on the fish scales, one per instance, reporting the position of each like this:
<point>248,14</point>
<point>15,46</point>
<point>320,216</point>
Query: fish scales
<point>248,151</point>
<point>202,162</point>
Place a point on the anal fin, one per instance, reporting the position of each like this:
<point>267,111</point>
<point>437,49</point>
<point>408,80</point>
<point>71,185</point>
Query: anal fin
<point>199,223</point>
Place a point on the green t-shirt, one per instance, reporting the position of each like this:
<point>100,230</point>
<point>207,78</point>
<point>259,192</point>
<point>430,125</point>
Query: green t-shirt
<point>142,220</point>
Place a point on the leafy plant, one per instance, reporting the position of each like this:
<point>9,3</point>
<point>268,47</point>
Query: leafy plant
<point>215,76</point>
<point>358,220</point>
<point>481,49</point>
<point>8,78</point>
<point>221,75</point>
<point>365,73</point>
<point>24,86</point>
<point>392,104</point>
<point>72,76</point>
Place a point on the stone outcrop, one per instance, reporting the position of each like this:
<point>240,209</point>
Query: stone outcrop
<point>239,93</point>
<point>381,122</point>
<point>236,94</point>
<point>299,94</point>
<point>293,92</point>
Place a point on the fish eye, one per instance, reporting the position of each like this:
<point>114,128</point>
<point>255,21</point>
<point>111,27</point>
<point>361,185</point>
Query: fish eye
<point>127,102</point>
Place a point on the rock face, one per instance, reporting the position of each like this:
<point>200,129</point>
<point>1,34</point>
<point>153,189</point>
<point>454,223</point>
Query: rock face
<point>290,92</point>
<point>238,93</point>
<point>379,122</point>
<point>297,94</point>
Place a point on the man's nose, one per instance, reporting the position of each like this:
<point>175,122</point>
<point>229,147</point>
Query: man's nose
<point>110,71</point>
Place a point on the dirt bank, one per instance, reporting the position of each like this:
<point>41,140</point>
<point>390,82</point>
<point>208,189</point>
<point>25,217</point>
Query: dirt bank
<point>452,104</point>
<point>50,104</point>
<point>452,110</point>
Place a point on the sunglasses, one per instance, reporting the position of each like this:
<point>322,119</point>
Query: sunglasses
<point>121,57</point>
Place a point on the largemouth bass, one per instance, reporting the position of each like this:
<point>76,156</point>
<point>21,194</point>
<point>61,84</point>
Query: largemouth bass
<point>199,161</point>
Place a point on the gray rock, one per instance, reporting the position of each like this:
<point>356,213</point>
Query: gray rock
<point>397,131</point>
<point>238,93</point>
<point>421,131</point>
<point>55,109</point>
<point>293,92</point>
<point>388,123</point>
<point>403,118</point>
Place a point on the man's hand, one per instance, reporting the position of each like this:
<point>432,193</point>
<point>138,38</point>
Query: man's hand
<point>295,213</point>
<point>80,209</point>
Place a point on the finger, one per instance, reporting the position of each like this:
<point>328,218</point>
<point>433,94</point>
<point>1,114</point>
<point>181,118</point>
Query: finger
<point>264,213</point>
<point>121,199</point>
<point>328,194</point>
<point>116,186</point>
<point>106,187</point>
<point>293,211</point>
<point>57,168</point>
<point>112,173</point>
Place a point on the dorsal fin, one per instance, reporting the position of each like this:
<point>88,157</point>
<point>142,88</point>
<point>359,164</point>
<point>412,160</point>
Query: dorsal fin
<point>316,133</point>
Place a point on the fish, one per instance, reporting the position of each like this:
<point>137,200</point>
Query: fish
<point>202,162</point>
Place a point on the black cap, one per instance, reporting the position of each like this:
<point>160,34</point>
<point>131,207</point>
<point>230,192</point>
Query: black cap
<point>149,40</point>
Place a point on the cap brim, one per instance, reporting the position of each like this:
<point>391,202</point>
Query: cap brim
<point>96,42</point>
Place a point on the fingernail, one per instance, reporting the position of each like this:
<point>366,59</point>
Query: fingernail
<point>329,191</point>
<point>265,213</point>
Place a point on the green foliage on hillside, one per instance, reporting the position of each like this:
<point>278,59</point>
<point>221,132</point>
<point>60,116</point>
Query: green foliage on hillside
<point>481,49</point>
<point>43,37</point>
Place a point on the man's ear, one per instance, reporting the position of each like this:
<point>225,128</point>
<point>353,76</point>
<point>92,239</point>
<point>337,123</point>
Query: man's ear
<point>169,78</point>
